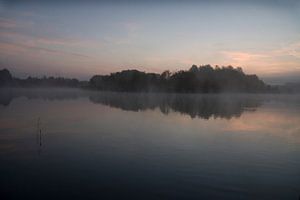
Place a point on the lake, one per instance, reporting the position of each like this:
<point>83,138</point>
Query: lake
<point>68,143</point>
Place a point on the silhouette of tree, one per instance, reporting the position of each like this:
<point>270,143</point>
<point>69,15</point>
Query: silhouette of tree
<point>5,78</point>
<point>202,79</point>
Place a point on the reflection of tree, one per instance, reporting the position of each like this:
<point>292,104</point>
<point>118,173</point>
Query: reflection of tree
<point>203,106</point>
<point>195,105</point>
<point>7,95</point>
<point>212,105</point>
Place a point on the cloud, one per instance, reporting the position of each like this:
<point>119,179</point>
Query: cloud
<point>131,32</point>
<point>243,56</point>
<point>277,61</point>
<point>8,47</point>
<point>13,24</point>
<point>7,23</point>
<point>292,49</point>
<point>39,40</point>
<point>46,44</point>
<point>131,26</point>
<point>18,33</point>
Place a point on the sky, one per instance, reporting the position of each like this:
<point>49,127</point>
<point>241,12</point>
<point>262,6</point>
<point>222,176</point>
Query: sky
<point>82,38</point>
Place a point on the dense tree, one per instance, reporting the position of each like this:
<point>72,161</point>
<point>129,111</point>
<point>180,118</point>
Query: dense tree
<point>202,79</point>
<point>47,82</point>
<point>5,78</point>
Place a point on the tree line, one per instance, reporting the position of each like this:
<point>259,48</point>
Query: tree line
<point>7,80</point>
<point>197,79</point>
<point>202,79</point>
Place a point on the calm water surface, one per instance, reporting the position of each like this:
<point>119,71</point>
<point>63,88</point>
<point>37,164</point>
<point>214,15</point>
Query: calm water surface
<point>66,144</point>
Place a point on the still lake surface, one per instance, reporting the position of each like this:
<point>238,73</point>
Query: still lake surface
<point>67,144</point>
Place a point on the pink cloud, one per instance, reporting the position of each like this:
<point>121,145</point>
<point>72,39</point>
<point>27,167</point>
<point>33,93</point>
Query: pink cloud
<point>7,23</point>
<point>278,61</point>
<point>12,48</point>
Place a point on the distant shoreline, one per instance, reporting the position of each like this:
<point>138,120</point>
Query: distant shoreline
<point>202,79</point>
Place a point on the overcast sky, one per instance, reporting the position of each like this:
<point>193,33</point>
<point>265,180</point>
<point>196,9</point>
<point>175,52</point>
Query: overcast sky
<point>80,39</point>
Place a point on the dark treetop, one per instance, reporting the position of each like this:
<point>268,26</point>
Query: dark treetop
<point>7,80</point>
<point>202,79</point>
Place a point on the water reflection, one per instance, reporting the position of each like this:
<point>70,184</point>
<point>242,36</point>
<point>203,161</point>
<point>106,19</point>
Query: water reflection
<point>39,135</point>
<point>202,106</point>
<point>206,106</point>
<point>7,95</point>
<point>89,147</point>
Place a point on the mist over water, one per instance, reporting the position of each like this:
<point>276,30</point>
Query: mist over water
<point>196,105</point>
<point>106,145</point>
<point>150,99</point>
